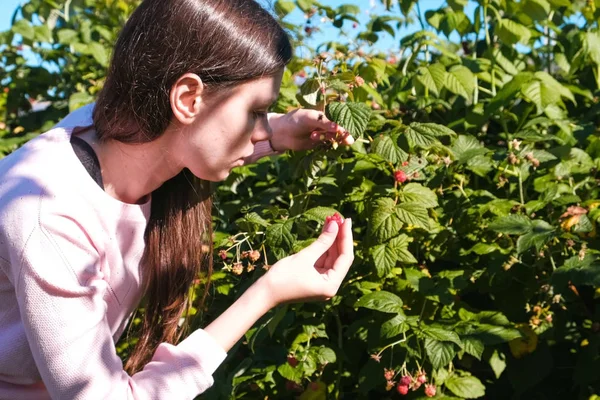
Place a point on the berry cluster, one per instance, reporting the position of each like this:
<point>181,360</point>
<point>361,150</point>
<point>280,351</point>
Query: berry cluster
<point>335,217</point>
<point>409,382</point>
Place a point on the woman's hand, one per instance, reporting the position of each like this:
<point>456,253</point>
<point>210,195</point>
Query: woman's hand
<point>293,131</point>
<point>316,272</point>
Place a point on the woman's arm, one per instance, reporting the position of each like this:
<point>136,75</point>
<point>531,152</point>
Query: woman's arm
<point>315,273</point>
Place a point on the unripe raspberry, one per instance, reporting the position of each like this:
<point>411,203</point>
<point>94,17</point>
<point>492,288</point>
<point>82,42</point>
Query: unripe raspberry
<point>430,390</point>
<point>405,163</point>
<point>359,81</point>
<point>402,389</point>
<point>406,380</point>
<point>315,136</point>
<point>238,268</point>
<point>223,255</point>
<point>388,374</point>
<point>400,176</point>
<point>422,378</point>
<point>254,255</point>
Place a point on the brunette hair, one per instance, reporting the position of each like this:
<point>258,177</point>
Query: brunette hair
<point>224,42</point>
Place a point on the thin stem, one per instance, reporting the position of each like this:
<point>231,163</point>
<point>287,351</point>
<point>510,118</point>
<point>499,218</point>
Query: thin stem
<point>340,363</point>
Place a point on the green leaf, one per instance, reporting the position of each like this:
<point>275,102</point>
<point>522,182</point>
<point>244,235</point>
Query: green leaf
<point>513,224</point>
<point>387,147</point>
<point>442,333</point>
<point>280,235</point>
<point>326,355</point>
<point>461,81</point>
<point>400,245</point>
<point>440,353</point>
<point>99,53</point>
<point>294,374</point>
<point>419,194</point>
<point>24,28</point>
<point>468,387</point>
<point>425,135</point>
<point>284,7</point>
<point>43,34</point>
<point>497,363</point>
<point>319,214</point>
<point>384,223</point>
<point>473,346</point>
<point>381,301</point>
<point>466,148</point>
<point>394,327</point>
<point>413,214</point>
<point>508,91</point>
<point>426,79</point>
<point>78,100</point>
<point>511,32</point>
<point>309,91</point>
<point>385,258</point>
<point>537,10</point>
<point>352,116</point>
<point>67,36</point>
<point>540,234</point>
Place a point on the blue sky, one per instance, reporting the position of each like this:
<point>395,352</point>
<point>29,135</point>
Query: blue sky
<point>7,8</point>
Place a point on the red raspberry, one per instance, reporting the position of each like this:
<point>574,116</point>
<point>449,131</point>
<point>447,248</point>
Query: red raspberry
<point>422,378</point>
<point>315,136</point>
<point>400,176</point>
<point>402,389</point>
<point>405,163</point>
<point>292,361</point>
<point>314,386</point>
<point>405,380</point>
<point>223,255</point>
<point>335,217</point>
<point>430,390</point>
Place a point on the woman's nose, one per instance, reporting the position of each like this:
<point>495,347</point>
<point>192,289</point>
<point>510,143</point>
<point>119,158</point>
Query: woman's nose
<point>262,131</point>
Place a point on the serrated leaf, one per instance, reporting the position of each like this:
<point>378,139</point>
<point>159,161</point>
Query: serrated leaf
<point>354,117</point>
<point>400,245</point>
<point>513,224</point>
<point>425,135</point>
<point>43,34</point>
<point>384,222</point>
<point>326,355</point>
<point>394,327</point>
<point>461,81</point>
<point>440,353</point>
<point>467,147</point>
<point>468,387</point>
<point>387,147</point>
<point>319,214</point>
<point>540,234</point>
<point>442,333</point>
<point>280,235</point>
<point>291,373</point>
<point>385,258</point>
<point>419,194</point>
<point>426,79</point>
<point>413,214</point>
<point>473,346</point>
<point>381,301</point>
<point>511,32</point>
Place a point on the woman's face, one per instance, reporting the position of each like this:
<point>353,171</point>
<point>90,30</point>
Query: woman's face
<point>227,129</point>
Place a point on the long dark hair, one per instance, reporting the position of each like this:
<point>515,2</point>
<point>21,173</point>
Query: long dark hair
<point>224,42</point>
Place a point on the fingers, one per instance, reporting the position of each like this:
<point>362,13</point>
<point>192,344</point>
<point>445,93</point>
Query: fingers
<point>326,129</point>
<point>323,243</point>
<point>345,248</point>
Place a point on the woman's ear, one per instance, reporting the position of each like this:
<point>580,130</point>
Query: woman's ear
<point>185,98</point>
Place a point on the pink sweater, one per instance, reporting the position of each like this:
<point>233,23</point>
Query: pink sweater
<point>70,281</point>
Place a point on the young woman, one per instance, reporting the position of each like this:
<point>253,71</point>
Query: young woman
<point>112,206</point>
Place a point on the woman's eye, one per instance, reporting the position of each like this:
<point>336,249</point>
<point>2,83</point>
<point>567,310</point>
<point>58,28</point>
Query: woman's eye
<point>259,114</point>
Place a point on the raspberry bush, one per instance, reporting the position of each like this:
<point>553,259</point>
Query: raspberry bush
<point>473,188</point>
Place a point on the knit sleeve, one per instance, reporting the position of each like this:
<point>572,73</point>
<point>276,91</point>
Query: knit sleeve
<point>61,297</point>
<point>262,149</point>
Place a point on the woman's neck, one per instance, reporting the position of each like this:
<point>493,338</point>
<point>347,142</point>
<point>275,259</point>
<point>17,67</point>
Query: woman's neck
<point>131,172</point>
